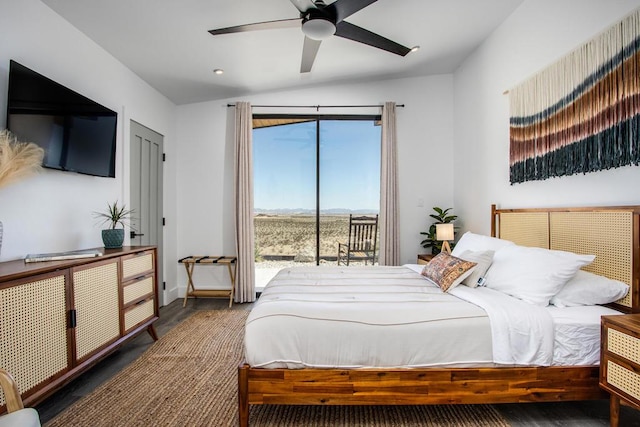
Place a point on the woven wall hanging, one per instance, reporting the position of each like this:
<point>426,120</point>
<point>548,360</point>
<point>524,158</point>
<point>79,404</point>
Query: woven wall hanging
<point>581,114</point>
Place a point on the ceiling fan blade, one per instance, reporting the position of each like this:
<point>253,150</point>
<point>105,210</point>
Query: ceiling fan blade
<point>303,5</point>
<point>268,25</point>
<point>358,34</point>
<point>309,52</point>
<point>342,9</point>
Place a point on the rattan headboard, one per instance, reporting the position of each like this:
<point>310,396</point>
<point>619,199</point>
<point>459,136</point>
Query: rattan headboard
<point>612,234</point>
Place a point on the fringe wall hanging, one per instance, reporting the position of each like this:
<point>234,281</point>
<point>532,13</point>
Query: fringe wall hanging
<point>581,114</point>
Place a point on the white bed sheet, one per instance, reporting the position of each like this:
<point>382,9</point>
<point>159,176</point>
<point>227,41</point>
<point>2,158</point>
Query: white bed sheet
<point>577,334</point>
<point>304,318</point>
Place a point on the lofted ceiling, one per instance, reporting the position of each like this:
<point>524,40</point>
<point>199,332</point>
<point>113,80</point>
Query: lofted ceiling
<point>167,44</point>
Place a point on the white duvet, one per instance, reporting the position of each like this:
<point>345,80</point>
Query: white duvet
<point>354,317</point>
<point>522,333</point>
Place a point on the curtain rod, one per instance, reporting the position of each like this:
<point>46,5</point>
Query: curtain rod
<point>317,107</point>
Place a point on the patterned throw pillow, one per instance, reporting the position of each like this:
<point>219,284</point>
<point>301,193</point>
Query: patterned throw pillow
<point>447,271</point>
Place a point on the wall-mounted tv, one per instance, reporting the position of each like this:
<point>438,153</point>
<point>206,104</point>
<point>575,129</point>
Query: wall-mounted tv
<point>77,134</point>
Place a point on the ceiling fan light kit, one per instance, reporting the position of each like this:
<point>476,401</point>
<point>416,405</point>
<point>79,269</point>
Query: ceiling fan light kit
<point>318,22</point>
<point>318,28</point>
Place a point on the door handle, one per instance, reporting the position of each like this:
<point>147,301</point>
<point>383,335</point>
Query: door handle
<point>133,234</point>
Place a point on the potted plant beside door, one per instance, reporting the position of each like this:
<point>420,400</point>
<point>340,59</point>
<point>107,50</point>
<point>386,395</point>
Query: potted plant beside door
<point>113,236</point>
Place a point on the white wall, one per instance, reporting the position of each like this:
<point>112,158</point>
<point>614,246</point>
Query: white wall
<point>205,162</point>
<point>536,35</point>
<point>53,210</point>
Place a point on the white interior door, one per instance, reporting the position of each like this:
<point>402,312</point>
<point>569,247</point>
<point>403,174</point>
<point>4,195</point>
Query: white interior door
<point>146,192</point>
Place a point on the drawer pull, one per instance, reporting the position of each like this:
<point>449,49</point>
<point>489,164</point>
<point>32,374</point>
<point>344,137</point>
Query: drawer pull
<point>141,302</point>
<point>72,319</point>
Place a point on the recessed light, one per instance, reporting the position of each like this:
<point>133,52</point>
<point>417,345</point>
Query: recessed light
<point>415,49</point>
<point>218,71</point>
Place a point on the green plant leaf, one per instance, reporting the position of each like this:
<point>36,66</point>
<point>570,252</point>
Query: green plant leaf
<point>115,215</point>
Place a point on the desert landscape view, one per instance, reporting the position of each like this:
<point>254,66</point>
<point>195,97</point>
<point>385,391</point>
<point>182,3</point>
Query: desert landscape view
<point>293,237</point>
<point>289,240</point>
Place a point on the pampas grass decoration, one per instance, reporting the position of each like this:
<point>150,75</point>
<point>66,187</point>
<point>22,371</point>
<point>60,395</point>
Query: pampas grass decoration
<point>17,159</point>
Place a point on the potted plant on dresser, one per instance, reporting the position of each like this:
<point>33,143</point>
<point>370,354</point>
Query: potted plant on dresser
<point>113,236</point>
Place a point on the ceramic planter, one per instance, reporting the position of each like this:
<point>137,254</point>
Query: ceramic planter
<point>113,238</point>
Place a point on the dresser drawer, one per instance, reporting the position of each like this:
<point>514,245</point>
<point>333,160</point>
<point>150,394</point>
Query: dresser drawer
<point>137,289</point>
<point>137,265</point>
<point>138,313</point>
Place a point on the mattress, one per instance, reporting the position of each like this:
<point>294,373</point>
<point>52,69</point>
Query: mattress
<point>359,317</point>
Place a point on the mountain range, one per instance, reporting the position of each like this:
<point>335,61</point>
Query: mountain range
<point>302,211</point>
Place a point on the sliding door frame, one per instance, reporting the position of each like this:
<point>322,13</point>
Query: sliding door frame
<point>317,118</point>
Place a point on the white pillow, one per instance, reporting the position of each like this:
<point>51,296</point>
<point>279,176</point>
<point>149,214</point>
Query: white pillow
<point>533,274</point>
<point>589,289</point>
<point>478,242</point>
<point>483,261</point>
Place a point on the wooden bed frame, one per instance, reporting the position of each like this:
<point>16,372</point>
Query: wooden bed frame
<point>611,233</point>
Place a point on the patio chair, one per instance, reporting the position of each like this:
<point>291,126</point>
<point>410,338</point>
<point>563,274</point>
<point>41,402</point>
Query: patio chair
<point>363,234</point>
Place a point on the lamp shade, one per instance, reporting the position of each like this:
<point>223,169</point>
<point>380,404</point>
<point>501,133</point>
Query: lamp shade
<point>444,231</point>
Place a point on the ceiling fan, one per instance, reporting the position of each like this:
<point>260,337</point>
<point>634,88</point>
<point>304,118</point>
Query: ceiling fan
<point>320,21</point>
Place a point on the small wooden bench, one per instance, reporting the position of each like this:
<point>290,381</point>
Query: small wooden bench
<point>192,260</point>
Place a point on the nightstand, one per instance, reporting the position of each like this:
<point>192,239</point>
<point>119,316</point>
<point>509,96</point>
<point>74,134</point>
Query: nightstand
<point>425,258</point>
<point>620,361</point>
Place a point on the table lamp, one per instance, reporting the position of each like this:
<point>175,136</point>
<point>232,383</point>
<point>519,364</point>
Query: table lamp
<point>444,233</point>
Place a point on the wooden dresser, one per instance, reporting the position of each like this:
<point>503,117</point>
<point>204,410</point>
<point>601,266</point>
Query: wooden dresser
<point>59,318</point>
<point>620,362</point>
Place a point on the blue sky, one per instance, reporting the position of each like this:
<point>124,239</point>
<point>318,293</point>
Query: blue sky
<point>284,162</point>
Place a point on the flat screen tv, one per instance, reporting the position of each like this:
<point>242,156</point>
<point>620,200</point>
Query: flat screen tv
<point>76,133</point>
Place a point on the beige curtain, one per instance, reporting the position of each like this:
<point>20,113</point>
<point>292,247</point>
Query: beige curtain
<point>389,233</point>
<point>245,289</point>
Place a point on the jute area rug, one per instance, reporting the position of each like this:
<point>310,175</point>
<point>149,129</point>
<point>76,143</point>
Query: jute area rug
<point>189,378</point>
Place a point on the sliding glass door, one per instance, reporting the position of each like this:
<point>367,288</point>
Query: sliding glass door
<point>349,176</point>
<point>310,174</point>
<point>285,192</point>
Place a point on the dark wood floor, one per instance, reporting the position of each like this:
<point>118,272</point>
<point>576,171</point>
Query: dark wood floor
<point>578,414</point>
